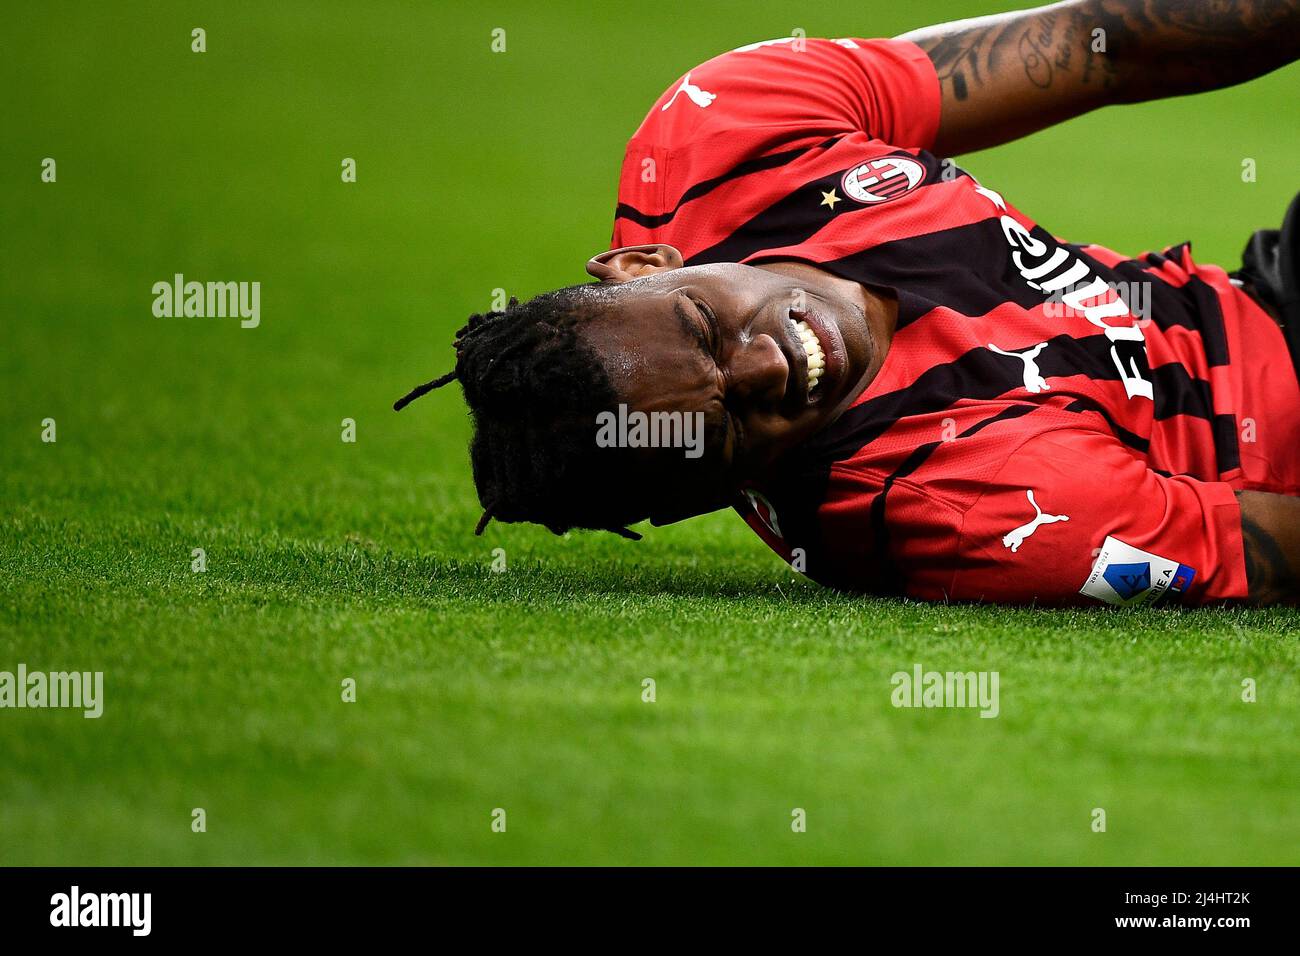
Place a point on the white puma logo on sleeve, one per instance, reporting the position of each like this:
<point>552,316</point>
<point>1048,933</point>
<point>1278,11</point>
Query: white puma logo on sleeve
<point>1014,539</point>
<point>699,97</point>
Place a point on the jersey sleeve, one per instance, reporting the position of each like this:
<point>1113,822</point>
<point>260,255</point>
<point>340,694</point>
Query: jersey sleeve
<point>811,87</point>
<point>1074,518</point>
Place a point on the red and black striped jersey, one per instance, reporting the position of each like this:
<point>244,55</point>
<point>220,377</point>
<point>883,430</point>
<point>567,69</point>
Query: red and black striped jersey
<point>1053,422</point>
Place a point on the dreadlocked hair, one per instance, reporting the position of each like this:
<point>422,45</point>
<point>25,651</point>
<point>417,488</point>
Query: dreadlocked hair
<point>534,388</point>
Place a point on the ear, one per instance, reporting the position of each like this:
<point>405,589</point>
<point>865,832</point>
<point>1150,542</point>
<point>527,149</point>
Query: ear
<point>631,262</point>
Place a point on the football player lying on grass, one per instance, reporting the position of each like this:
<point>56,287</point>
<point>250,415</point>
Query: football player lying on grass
<point>902,382</point>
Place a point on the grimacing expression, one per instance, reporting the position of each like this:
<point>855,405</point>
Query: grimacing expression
<point>768,358</point>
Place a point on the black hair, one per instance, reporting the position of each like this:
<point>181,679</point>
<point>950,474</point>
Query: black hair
<point>534,388</point>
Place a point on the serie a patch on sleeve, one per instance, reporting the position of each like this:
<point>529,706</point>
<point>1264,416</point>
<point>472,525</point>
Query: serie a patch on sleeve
<point>1123,574</point>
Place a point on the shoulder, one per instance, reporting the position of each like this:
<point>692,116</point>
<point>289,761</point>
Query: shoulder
<point>813,85</point>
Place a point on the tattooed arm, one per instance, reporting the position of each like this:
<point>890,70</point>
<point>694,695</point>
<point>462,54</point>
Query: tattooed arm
<point>1007,75</point>
<point>1270,526</point>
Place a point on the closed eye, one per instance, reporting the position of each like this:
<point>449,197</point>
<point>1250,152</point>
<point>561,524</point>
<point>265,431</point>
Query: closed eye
<point>709,335</point>
<point>711,324</point>
<point>697,326</point>
<point>715,335</point>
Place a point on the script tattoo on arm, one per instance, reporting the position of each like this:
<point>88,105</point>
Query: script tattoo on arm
<point>1006,75</point>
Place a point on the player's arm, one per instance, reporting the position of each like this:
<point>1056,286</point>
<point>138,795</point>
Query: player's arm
<point>1007,75</point>
<point>1270,529</point>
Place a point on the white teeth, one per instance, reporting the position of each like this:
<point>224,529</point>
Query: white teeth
<point>813,349</point>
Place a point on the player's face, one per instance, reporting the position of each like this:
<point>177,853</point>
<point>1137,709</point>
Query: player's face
<point>767,359</point>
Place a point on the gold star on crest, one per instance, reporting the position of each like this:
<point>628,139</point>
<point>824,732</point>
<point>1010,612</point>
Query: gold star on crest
<point>830,199</point>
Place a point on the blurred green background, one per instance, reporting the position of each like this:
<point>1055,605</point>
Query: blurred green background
<point>522,690</point>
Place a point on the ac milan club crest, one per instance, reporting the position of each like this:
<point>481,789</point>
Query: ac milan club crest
<point>882,179</point>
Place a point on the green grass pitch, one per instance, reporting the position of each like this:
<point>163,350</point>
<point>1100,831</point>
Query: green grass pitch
<point>328,560</point>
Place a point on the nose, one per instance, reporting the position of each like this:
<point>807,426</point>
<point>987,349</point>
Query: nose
<point>759,371</point>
